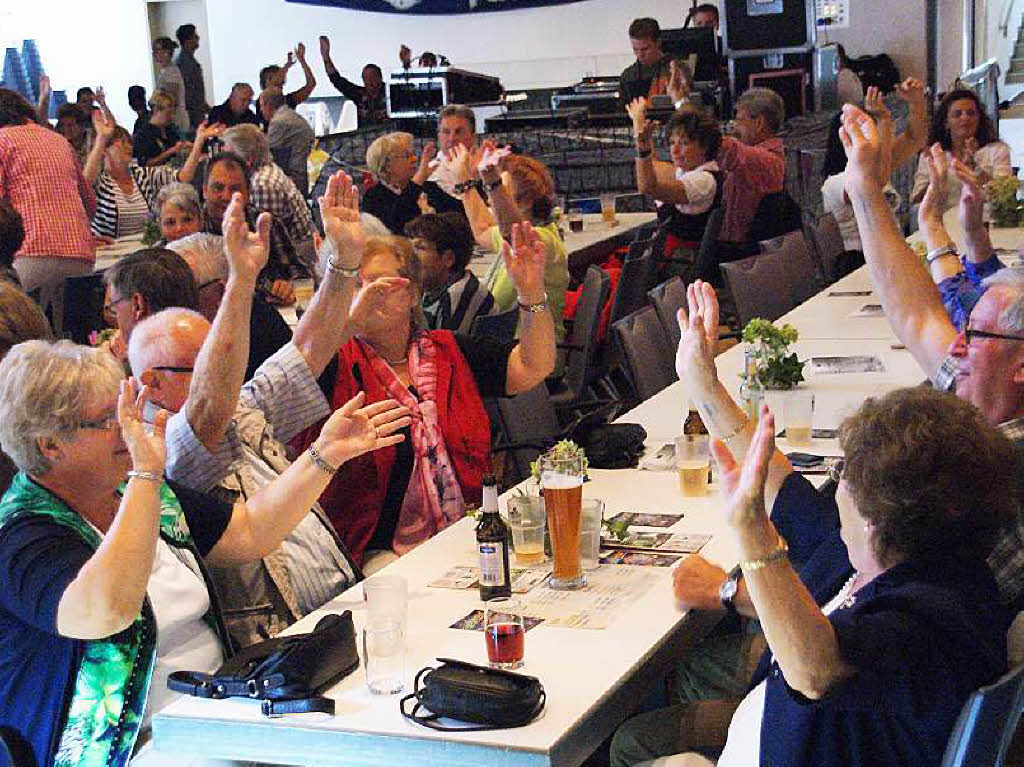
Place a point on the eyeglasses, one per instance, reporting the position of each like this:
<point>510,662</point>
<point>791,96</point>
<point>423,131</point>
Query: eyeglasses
<point>836,469</point>
<point>970,333</point>
<point>100,424</point>
<point>173,368</point>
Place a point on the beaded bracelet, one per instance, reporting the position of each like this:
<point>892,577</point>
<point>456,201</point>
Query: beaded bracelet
<point>319,461</point>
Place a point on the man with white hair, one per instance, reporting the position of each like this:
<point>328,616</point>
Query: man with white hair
<point>271,190</point>
<point>233,436</point>
<point>204,253</point>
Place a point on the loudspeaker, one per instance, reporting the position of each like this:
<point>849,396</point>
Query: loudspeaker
<point>750,27</point>
<point>792,81</point>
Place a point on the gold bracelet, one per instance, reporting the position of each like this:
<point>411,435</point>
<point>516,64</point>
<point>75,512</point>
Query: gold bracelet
<point>320,463</point>
<point>750,565</point>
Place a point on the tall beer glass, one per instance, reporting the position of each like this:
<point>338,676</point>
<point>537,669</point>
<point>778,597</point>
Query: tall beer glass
<point>561,480</point>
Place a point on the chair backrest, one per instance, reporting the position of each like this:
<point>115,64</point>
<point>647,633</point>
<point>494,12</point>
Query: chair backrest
<point>648,351</point>
<point>803,279</point>
<point>499,327</point>
<point>707,256</point>
<point>828,241</point>
<point>593,295</point>
<point>668,298</point>
<point>987,722</point>
<point>631,289</point>
<point>527,425</point>
<point>83,307</point>
<point>759,286</point>
<point>776,214</point>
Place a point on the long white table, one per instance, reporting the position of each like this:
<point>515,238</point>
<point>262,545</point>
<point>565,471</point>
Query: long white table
<point>594,678</point>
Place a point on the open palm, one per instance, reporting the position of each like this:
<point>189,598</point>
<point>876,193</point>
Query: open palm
<point>339,209</point>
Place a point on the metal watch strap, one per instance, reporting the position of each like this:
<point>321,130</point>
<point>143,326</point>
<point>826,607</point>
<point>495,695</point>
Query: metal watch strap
<point>728,602</point>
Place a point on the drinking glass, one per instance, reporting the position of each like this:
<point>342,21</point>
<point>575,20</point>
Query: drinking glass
<point>575,217</point>
<point>592,512</point>
<point>561,480</point>
<point>608,208</point>
<point>526,517</point>
<point>386,598</point>
<point>504,632</point>
<point>693,461</point>
<point>384,657</point>
<point>798,414</point>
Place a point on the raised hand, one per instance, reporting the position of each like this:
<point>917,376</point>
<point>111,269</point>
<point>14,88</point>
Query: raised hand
<point>743,484</point>
<point>370,300</point>
<point>698,326</point>
<point>426,157</point>
<point>206,131</point>
<point>300,51</point>
<point>405,56</point>
<point>146,445</point>
<point>353,429</point>
<point>933,204</point>
<point>863,149</point>
<point>100,96</point>
<point>678,84</point>
<point>911,90</point>
<point>642,127</point>
<point>695,583</point>
<point>289,61</point>
<point>972,197</point>
<point>339,209</point>
<point>874,104</point>
<point>525,262</point>
<point>103,126</point>
<point>325,47</point>
<point>247,252</point>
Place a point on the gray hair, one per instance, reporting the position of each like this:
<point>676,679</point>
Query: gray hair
<point>273,97</point>
<point>1012,316</point>
<point>158,336</point>
<point>45,387</point>
<point>204,254</point>
<point>766,102</point>
<point>249,143</point>
<point>182,196</point>
<point>372,227</point>
<point>458,110</point>
<point>380,152</point>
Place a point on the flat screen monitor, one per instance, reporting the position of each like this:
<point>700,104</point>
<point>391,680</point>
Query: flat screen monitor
<point>694,41</point>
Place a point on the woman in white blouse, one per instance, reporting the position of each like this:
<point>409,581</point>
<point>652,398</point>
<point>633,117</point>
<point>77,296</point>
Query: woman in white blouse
<point>963,129</point>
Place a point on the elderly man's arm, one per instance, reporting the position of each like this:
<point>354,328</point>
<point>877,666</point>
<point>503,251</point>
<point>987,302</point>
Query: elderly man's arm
<point>220,366</point>
<point>762,169</point>
<point>533,359</point>
<point>259,525</point>
<point>907,292</point>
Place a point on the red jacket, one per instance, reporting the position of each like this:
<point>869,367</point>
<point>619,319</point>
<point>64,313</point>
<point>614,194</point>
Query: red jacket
<point>354,497</point>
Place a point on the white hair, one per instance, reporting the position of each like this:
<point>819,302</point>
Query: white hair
<point>158,338</point>
<point>1011,318</point>
<point>183,196</point>
<point>204,254</point>
<point>45,388</point>
<point>380,152</point>
<point>764,101</point>
<point>249,143</point>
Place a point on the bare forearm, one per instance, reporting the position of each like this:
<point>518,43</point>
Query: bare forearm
<point>188,170</point>
<point>94,162</point>
<point>534,358</point>
<point>979,244</point>
<point>220,367</point>
<point>479,215</point>
<point>107,594</point>
<point>801,638</point>
<point>307,88</point>
<point>505,210</point>
<point>322,329</point>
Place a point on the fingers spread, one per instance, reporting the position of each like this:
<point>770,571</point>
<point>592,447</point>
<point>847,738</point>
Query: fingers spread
<point>352,405</point>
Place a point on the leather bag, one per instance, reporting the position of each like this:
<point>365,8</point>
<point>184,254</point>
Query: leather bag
<point>487,698</point>
<point>287,673</point>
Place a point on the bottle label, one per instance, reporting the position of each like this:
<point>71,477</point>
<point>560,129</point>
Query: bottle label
<point>492,555</point>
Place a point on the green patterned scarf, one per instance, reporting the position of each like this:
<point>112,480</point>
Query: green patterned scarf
<point>103,717</point>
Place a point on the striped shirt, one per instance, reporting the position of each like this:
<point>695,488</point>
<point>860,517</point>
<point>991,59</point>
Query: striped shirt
<point>309,568</point>
<point>119,214</point>
<point>41,177</point>
<point>461,302</point>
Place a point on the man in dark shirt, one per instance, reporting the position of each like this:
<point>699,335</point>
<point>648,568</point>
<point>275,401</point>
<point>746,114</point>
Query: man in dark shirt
<point>274,76</point>
<point>456,124</point>
<point>369,97</point>
<point>649,74</point>
<point>191,74</point>
<point>235,110</point>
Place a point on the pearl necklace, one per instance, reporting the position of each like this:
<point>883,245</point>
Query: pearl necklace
<point>848,599</point>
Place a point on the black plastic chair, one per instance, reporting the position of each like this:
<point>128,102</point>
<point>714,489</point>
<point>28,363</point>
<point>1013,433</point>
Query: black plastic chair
<point>668,298</point>
<point>777,214</point>
<point>499,327</point>
<point>647,350</point>
<point>526,425</point>
<point>634,281</point>
<point>580,371</point>
<point>984,730</point>
<point>759,287</point>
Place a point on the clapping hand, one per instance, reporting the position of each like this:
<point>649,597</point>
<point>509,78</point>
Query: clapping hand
<point>300,51</point>
<point>103,126</point>
<point>247,251</point>
<point>698,326</point>
<point>525,262</point>
<point>339,209</point>
<point>325,47</point>
<point>933,204</point>
<point>146,445</point>
<point>863,149</point>
<point>463,163</point>
<point>743,484</point>
<point>972,197</point>
<point>426,158</point>
<point>354,429</point>
<point>642,127</point>
<point>911,90</point>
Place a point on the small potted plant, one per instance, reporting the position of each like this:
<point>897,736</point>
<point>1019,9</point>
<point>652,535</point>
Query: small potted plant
<point>779,368</point>
<point>1001,194</point>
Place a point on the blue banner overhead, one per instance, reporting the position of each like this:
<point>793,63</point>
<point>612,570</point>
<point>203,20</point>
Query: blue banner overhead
<point>414,7</point>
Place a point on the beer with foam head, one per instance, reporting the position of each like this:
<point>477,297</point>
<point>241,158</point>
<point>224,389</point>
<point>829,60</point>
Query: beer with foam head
<point>562,485</point>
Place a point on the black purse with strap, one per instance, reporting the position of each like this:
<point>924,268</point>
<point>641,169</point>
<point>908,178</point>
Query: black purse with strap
<point>287,673</point>
<point>486,698</point>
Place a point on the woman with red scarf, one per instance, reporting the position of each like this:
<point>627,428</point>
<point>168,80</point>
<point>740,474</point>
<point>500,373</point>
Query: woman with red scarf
<point>384,506</point>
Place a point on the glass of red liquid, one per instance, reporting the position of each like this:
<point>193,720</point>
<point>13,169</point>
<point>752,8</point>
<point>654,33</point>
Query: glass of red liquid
<point>504,632</point>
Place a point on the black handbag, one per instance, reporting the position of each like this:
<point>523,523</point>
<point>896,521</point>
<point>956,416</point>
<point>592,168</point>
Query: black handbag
<point>612,445</point>
<point>287,673</point>
<point>487,698</point>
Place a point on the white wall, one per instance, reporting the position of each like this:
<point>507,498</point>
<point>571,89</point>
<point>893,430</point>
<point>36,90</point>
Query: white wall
<point>895,27</point>
<point>166,17</point>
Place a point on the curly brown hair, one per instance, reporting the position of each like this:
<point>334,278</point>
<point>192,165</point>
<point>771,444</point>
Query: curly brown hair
<point>930,474</point>
<point>697,125</point>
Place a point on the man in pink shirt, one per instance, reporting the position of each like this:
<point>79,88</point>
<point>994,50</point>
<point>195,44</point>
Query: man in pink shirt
<point>41,177</point>
<point>754,163</point>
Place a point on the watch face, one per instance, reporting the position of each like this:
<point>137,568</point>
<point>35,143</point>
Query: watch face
<point>728,590</point>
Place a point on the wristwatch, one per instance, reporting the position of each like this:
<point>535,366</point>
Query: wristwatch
<point>727,591</point>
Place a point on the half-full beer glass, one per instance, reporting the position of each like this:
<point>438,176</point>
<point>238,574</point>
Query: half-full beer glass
<point>561,480</point>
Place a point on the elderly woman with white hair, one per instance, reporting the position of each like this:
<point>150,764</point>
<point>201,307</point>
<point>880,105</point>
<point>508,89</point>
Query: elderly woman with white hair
<point>104,564</point>
<point>394,199</point>
<point>179,211</point>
